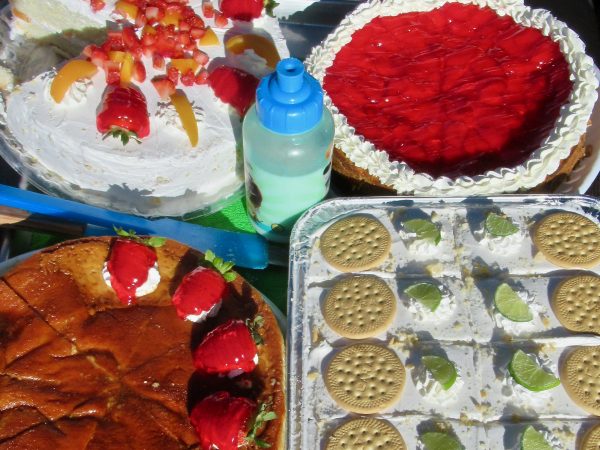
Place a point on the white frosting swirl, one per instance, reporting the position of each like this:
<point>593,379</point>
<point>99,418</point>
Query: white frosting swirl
<point>501,245</point>
<point>571,124</point>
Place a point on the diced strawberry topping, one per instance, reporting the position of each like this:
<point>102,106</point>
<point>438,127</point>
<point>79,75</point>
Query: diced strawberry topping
<point>173,75</point>
<point>128,265</point>
<point>245,10</point>
<point>201,77</point>
<point>229,349</point>
<point>221,21</point>
<point>188,78</point>
<point>97,5</point>
<point>200,57</point>
<point>164,87</point>
<point>208,10</point>
<point>234,87</point>
<point>222,421</point>
<point>139,72</point>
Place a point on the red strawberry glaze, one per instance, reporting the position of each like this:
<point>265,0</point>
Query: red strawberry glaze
<point>128,266</point>
<point>221,421</point>
<point>199,293</point>
<point>454,91</point>
<point>229,349</point>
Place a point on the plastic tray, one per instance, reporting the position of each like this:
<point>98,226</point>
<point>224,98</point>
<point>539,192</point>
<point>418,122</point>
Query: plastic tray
<point>482,412</point>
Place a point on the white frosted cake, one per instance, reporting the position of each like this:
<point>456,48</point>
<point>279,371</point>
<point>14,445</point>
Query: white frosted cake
<point>467,97</point>
<point>59,146</point>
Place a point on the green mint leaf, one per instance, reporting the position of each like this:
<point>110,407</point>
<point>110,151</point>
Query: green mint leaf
<point>424,229</point>
<point>155,241</point>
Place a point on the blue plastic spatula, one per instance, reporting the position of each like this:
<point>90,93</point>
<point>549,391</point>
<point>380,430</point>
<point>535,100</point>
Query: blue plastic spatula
<point>244,249</point>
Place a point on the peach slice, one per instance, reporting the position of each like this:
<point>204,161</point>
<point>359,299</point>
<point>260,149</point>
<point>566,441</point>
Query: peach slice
<point>209,38</point>
<point>171,18</point>
<point>128,10</point>
<point>186,115</point>
<point>74,70</point>
<point>21,15</point>
<point>262,46</point>
<point>185,64</point>
<point>116,56</point>
<point>126,69</point>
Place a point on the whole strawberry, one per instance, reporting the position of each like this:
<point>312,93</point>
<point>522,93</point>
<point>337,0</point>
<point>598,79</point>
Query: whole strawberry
<point>200,293</point>
<point>229,349</point>
<point>234,87</point>
<point>225,422</point>
<point>130,261</point>
<point>124,114</point>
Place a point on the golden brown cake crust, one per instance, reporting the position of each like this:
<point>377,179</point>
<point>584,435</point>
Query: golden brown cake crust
<point>79,370</point>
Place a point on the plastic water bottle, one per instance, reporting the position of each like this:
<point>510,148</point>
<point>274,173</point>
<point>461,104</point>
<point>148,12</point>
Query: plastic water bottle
<point>288,143</point>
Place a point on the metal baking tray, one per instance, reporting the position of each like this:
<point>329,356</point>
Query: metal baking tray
<point>471,333</point>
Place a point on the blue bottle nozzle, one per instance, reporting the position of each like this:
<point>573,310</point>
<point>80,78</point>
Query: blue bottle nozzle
<point>290,72</point>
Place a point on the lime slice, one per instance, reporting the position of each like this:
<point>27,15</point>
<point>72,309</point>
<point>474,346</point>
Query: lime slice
<point>428,294</point>
<point>425,229</point>
<point>498,225</point>
<point>510,305</point>
<point>442,370</point>
<point>440,441</point>
<point>534,440</point>
<point>529,374</point>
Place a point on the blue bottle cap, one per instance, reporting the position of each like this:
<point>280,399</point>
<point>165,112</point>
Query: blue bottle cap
<point>289,100</point>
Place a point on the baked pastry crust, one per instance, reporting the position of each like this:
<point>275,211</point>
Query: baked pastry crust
<point>80,370</point>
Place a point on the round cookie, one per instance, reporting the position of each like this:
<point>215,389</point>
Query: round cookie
<point>359,307</point>
<point>366,434</point>
<point>580,376</point>
<point>355,243</point>
<point>576,303</point>
<point>591,440</point>
<point>365,378</point>
<point>568,240</point>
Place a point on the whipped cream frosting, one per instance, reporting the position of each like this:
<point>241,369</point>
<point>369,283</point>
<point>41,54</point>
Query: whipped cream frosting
<point>59,146</point>
<point>571,124</point>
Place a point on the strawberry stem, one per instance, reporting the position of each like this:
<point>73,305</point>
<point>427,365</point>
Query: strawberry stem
<point>253,326</point>
<point>263,416</point>
<point>152,241</point>
<point>223,267</point>
<point>270,5</point>
<point>123,134</point>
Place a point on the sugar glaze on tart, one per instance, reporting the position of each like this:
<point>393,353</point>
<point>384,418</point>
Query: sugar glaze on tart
<point>405,177</point>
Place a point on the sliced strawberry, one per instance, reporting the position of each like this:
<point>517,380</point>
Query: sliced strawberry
<point>222,421</point>
<point>184,26</point>
<point>195,21</point>
<point>228,350</point>
<point>164,87</point>
<point>208,10</point>
<point>221,21</point>
<point>139,72</point>
<point>128,265</point>
<point>201,77</point>
<point>234,87</point>
<point>129,37</point>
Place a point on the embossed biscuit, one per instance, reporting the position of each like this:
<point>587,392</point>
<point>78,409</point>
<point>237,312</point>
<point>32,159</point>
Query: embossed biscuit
<point>576,303</point>
<point>365,378</point>
<point>580,376</point>
<point>355,243</point>
<point>591,440</point>
<point>359,307</point>
<point>568,240</point>
<point>366,434</point>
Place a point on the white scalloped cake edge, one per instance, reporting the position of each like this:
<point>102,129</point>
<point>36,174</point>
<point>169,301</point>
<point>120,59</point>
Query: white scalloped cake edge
<point>571,124</point>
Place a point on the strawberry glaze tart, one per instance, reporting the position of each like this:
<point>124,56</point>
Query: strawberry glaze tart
<point>463,97</point>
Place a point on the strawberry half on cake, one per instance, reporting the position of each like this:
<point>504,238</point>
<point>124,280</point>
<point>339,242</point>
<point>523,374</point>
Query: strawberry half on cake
<point>445,97</point>
<point>146,119</point>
